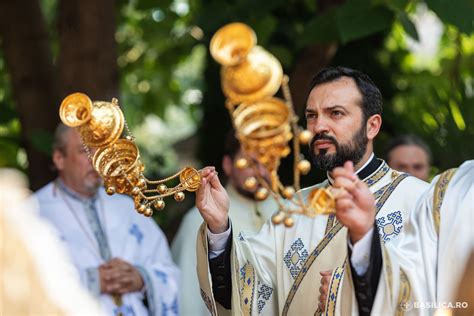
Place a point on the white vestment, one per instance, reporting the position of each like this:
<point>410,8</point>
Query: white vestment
<point>129,236</point>
<point>277,271</point>
<point>423,273</point>
<point>247,215</point>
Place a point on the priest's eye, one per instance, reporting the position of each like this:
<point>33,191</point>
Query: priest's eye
<point>418,167</point>
<point>310,116</point>
<point>337,113</point>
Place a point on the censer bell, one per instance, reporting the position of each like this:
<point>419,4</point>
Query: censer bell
<point>99,123</point>
<point>231,44</point>
<point>249,72</point>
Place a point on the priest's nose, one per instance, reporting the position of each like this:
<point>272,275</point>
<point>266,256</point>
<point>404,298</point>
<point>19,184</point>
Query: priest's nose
<point>319,127</point>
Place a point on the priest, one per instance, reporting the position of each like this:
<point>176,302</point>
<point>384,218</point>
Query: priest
<point>424,272</point>
<point>278,271</point>
<point>123,258</point>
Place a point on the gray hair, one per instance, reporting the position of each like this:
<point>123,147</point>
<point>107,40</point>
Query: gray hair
<point>60,138</point>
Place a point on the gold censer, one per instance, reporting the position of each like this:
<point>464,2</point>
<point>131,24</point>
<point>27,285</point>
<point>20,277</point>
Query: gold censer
<point>111,147</point>
<point>264,124</point>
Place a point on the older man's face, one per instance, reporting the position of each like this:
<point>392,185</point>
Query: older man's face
<point>411,159</point>
<point>74,167</point>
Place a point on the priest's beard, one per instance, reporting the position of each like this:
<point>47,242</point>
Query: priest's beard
<point>354,150</point>
<point>92,182</point>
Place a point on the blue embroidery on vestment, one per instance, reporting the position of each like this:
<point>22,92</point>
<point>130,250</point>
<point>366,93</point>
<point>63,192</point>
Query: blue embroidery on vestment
<point>390,226</point>
<point>124,310</point>
<point>264,292</point>
<point>296,257</point>
<point>135,231</point>
<point>161,275</point>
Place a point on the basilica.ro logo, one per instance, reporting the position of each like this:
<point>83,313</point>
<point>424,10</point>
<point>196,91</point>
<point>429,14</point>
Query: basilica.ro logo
<point>405,306</point>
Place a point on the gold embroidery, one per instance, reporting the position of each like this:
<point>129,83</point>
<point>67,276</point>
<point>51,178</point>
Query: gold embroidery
<point>404,293</point>
<point>336,279</point>
<point>439,191</point>
<point>330,223</point>
<point>378,174</point>
<point>247,287</point>
<point>329,236</point>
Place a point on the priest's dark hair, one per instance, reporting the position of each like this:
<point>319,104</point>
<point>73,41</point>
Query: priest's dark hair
<point>371,96</point>
<point>408,139</point>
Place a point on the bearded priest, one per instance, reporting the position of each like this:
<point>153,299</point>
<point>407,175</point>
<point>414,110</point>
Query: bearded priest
<point>279,270</point>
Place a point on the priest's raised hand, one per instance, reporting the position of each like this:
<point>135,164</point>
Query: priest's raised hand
<point>213,202</point>
<point>355,205</point>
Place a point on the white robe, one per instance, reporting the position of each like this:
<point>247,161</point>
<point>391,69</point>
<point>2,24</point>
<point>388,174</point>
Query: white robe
<point>423,273</point>
<point>277,271</point>
<point>244,218</point>
<point>131,237</point>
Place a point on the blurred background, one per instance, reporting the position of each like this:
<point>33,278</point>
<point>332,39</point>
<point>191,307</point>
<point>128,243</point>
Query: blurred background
<point>153,56</point>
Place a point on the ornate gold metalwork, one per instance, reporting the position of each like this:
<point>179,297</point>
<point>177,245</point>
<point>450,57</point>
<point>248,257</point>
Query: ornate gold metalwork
<point>256,77</point>
<point>232,43</point>
<point>264,125</point>
<point>117,158</point>
<point>249,72</point>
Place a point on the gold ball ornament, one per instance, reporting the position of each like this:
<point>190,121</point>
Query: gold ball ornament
<point>110,190</point>
<point>241,163</point>
<point>148,212</point>
<point>141,183</point>
<point>190,179</point>
<point>288,192</point>
<point>305,137</point>
<point>250,183</point>
<point>179,196</point>
<point>278,218</point>
<point>162,188</point>
<point>304,166</point>
<point>261,194</point>
<point>159,204</point>
<point>289,222</point>
<point>135,191</point>
<point>141,209</point>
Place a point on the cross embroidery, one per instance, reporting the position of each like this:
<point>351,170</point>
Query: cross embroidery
<point>390,226</point>
<point>162,276</point>
<point>135,231</point>
<point>296,257</point>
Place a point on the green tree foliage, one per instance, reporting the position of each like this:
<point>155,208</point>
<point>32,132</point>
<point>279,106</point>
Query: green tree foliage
<point>434,99</point>
<point>169,85</point>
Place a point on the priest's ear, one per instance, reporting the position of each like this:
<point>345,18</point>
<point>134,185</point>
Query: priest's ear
<point>58,159</point>
<point>373,126</point>
<point>61,138</point>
